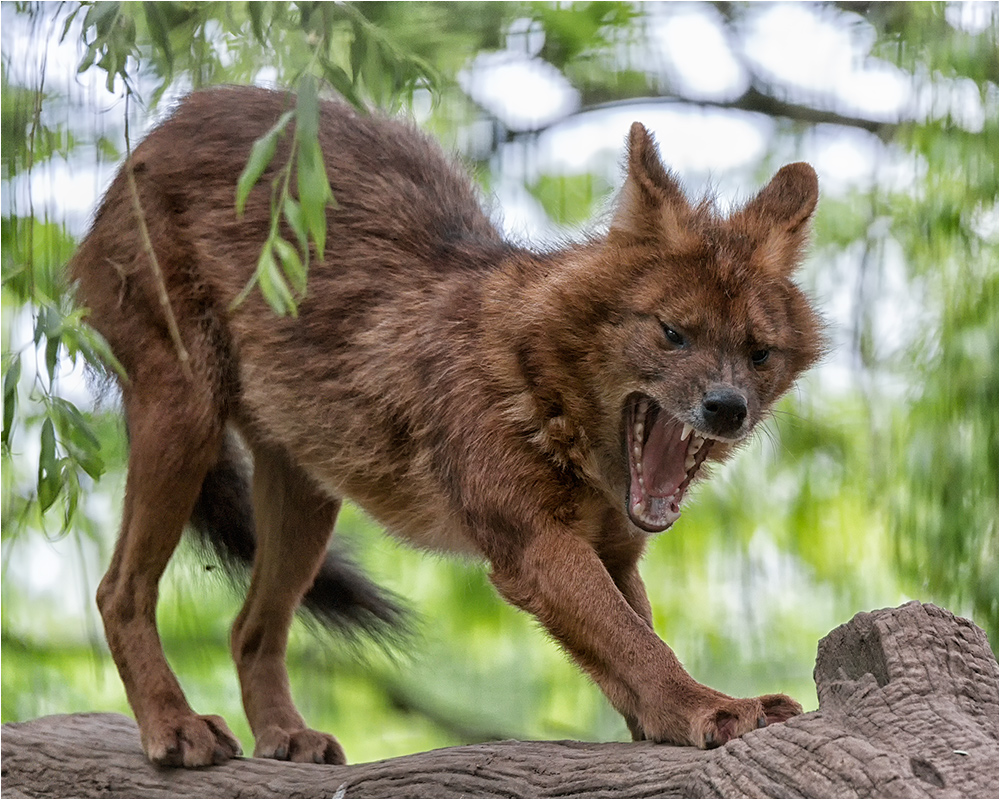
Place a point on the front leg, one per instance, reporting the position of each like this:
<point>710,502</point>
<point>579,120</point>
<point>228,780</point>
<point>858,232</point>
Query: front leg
<point>560,579</point>
<point>629,582</point>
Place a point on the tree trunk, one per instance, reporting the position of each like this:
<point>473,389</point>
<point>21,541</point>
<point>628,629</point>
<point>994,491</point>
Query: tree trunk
<point>908,707</point>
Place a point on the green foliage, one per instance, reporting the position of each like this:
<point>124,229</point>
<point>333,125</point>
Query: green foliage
<point>34,252</point>
<point>941,493</point>
<point>110,37</point>
<point>118,37</point>
<point>575,31</point>
<point>569,199</point>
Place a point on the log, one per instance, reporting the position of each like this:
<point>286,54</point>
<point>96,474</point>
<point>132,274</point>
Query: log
<point>908,707</point>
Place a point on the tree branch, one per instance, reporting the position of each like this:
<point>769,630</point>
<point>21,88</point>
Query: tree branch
<point>908,707</point>
<point>154,263</point>
<point>753,100</point>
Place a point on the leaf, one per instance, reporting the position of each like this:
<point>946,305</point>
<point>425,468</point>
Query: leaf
<point>157,23</point>
<point>72,483</point>
<point>49,326</point>
<point>72,424</point>
<point>49,477</point>
<point>102,16</point>
<point>88,59</point>
<point>52,357</point>
<point>297,222</point>
<point>307,111</point>
<point>255,12</point>
<point>341,81</point>
<point>307,217</point>
<point>42,325</point>
<point>295,271</point>
<point>69,23</point>
<point>272,284</point>
<point>10,380</point>
<point>314,192</point>
<point>110,64</point>
<point>244,293</point>
<point>84,450</point>
<point>107,149</point>
<point>261,155</point>
<point>96,349</point>
<point>359,49</point>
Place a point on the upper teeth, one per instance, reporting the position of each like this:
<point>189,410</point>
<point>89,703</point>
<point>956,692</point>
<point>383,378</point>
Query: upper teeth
<point>695,442</point>
<point>687,433</point>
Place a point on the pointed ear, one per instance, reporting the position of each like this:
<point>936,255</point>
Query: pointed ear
<point>789,199</point>
<point>651,203</point>
<point>778,217</point>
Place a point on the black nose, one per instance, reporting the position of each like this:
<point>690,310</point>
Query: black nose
<point>724,411</point>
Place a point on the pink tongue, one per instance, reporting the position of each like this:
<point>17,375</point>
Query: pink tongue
<point>663,458</point>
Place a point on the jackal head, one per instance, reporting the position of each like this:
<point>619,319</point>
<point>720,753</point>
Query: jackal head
<point>642,354</point>
<point>709,329</point>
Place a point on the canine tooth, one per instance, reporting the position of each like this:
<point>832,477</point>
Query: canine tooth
<point>689,461</point>
<point>685,432</point>
<point>637,509</point>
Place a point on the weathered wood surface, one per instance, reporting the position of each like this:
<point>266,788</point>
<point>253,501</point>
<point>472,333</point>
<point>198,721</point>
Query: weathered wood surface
<point>908,707</point>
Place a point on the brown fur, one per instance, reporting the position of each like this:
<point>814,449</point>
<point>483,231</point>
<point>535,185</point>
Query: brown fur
<point>468,394</point>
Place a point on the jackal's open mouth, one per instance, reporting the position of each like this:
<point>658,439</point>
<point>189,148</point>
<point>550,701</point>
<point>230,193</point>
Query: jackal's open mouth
<point>663,456</point>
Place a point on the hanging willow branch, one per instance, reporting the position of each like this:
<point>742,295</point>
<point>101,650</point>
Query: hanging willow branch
<point>154,264</point>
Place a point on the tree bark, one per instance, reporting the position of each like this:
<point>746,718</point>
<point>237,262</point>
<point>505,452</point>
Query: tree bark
<point>908,707</point>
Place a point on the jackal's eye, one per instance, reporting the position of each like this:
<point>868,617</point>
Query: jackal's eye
<point>675,338</point>
<point>760,357</point>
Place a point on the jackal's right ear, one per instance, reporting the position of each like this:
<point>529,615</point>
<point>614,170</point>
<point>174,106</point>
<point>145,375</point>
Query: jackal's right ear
<point>651,203</point>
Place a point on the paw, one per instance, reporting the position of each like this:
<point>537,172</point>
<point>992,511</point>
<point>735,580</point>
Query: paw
<point>305,746</point>
<point>190,741</point>
<point>779,707</point>
<point>735,717</point>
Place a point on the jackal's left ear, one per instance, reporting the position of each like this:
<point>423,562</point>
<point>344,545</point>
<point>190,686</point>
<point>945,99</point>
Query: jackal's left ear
<point>651,204</point>
<point>778,217</point>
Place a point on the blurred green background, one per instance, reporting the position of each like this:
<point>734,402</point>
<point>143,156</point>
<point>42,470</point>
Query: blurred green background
<point>875,482</point>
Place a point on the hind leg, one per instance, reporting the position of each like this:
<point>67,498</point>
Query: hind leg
<point>293,522</point>
<point>174,430</point>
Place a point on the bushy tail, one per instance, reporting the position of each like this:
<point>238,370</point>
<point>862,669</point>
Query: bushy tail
<point>341,597</point>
